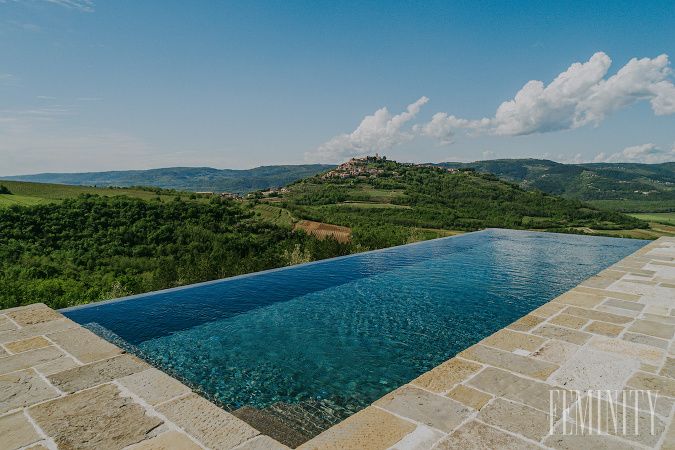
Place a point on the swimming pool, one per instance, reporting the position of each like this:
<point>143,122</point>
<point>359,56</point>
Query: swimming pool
<point>343,332</point>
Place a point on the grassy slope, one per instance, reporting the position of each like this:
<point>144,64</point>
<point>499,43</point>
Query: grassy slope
<point>27,193</point>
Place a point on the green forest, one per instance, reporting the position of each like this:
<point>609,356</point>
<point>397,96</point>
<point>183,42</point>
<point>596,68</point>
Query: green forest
<point>94,248</point>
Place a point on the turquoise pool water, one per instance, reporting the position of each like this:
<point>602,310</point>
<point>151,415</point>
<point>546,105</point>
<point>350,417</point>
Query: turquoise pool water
<point>346,331</point>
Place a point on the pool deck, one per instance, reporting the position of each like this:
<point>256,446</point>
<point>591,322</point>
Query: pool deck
<point>594,368</point>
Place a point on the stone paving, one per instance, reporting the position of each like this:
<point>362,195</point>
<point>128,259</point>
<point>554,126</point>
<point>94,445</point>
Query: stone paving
<point>594,368</point>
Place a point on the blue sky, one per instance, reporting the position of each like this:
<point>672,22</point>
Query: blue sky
<point>102,85</point>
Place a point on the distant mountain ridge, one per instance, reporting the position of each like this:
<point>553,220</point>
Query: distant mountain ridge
<point>618,186</point>
<point>187,178</point>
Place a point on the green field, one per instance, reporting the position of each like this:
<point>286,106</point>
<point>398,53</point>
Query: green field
<point>28,194</point>
<point>656,217</point>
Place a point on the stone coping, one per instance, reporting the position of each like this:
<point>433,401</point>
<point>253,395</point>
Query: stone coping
<point>529,385</point>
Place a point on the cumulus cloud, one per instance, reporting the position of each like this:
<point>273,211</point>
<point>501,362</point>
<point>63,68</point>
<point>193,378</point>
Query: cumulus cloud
<point>378,132</point>
<point>577,97</point>
<point>646,154</point>
<point>442,127</point>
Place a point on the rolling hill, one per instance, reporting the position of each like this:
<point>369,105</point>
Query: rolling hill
<point>195,179</point>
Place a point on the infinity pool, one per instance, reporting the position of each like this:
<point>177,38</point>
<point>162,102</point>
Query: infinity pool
<point>346,331</point>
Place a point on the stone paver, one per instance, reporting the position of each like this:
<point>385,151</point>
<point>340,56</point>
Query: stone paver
<point>526,323</point>
<point>512,340</point>
<point>84,345</point>
<point>592,369</point>
<point>604,328</point>
<point>516,363</point>
<point>470,397</point>
<point>27,344</point>
<point>29,359</point>
<point>154,386</point>
<point>206,422</point>
<point>445,376</point>
<point>478,436</point>
<point>83,377</point>
<point>37,313</point>
<point>171,440</point>
<point>505,384</point>
<point>23,388</point>
<point>517,418</point>
<point>422,406</point>
<point>652,328</point>
<point>16,431</point>
<point>101,416</point>
<point>6,324</point>
<point>371,428</point>
<point>561,333</point>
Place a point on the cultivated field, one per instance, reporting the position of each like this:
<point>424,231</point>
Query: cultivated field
<point>323,230</point>
<point>656,217</point>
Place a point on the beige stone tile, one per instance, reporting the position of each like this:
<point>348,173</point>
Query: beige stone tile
<point>593,369</point>
<point>515,388</point>
<point>469,396</point>
<point>206,422</point>
<point>658,318</point>
<point>36,330</point>
<point>3,353</point>
<point>422,438</point>
<point>474,435</point>
<point>645,340</point>
<point>23,388</point>
<point>633,306</point>
<point>516,418</point>
<point>29,359</point>
<point>618,311</point>
<point>154,386</point>
<point>511,340</point>
<point>6,324</point>
<point>620,347</point>
<point>562,334</point>
<point>16,431</point>
<point>557,352</point>
<point>27,344</point>
<point>443,377</point>
<point>606,293</point>
<point>668,369</point>
<point>171,440</point>
<point>57,365</point>
<point>669,440</point>
<point>603,417</point>
<point>572,437</point>
<point>604,328</point>
<point>522,364</point>
<point>565,320</point>
<point>84,345</point>
<point>95,418</point>
<point>660,310</point>
<point>598,315</point>
<point>90,375</point>
<point>262,443</point>
<point>649,381</point>
<point>371,428</point>
<point>525,323</point>
<point>649,368</point>
<point>38,313</point>
<point>577,299</point>
<point>652,328</point>
<point>548,310</point>
<point>433,410</point>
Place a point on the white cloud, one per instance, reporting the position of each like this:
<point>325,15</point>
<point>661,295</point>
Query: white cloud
<point>83,5</point>
<point>577,97</point>
<point>442,127</point>
<point>489,155</point>
<point>646,154</point>
<point>375,133</point>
